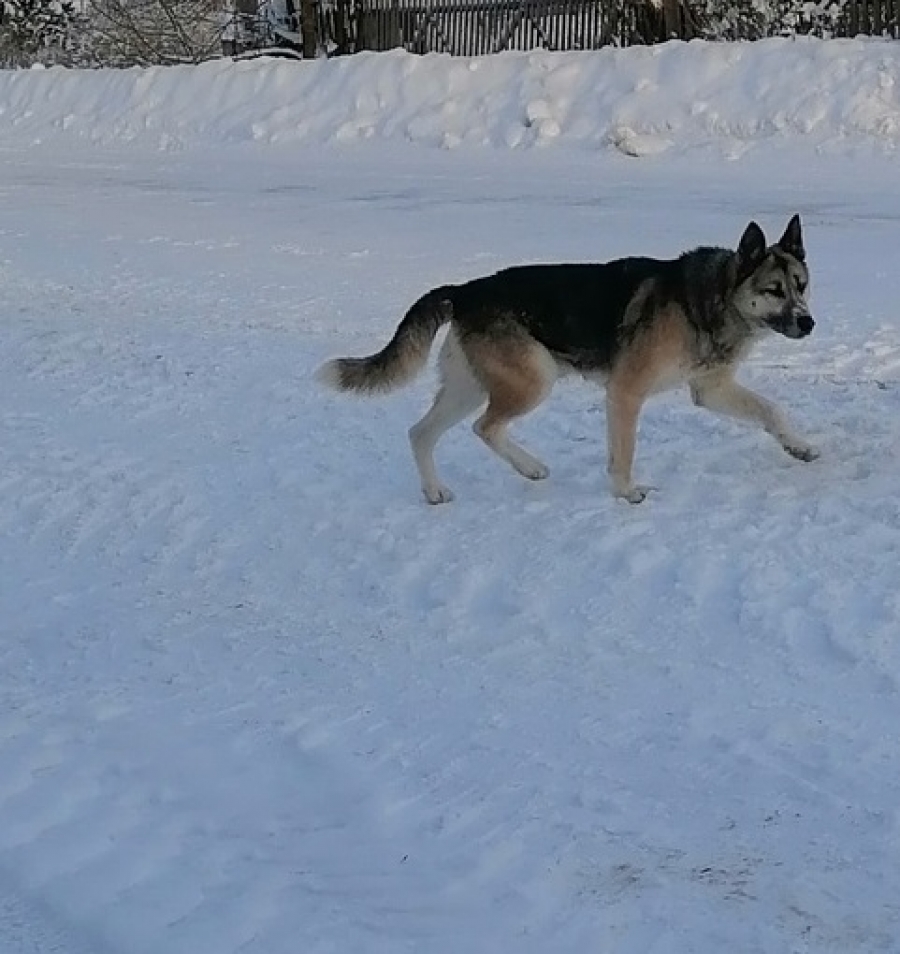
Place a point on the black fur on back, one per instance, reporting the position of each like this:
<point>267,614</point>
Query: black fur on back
<point>579,311</point>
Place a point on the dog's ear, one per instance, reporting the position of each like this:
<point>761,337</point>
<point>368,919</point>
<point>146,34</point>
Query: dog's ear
<point>751,251</point>
<point>792,240</point>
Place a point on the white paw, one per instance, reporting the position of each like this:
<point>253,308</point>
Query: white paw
<point>534,470</point>
<point>801,450</point>
<point>438,494</point>
<point>634,494</point>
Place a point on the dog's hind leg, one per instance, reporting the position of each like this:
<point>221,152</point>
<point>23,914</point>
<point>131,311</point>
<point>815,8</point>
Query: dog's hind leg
<point>460,395</point>
<point>518,374</point>
<point>721,394</point>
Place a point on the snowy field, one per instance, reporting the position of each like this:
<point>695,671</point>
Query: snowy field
<point>256,697</point>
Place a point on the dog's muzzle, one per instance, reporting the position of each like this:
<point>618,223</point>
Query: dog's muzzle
<point>794,326</point>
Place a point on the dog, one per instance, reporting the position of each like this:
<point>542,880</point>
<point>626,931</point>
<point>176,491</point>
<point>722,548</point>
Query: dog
<point>636,325</point>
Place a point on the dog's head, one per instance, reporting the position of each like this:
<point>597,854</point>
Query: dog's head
<point>771,283</point>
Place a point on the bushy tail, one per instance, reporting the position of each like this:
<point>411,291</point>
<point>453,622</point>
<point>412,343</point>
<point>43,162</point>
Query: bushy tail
<point>401,360</point>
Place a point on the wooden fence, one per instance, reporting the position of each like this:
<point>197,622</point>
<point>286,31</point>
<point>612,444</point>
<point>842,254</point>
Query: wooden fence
<point>475,27</point>
<point>874,17</point>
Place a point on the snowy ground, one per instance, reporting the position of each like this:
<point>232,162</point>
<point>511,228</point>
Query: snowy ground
<point>257,697</point>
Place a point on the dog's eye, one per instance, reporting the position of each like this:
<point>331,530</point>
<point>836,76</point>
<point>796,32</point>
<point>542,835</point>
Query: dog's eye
<point>776,291</point>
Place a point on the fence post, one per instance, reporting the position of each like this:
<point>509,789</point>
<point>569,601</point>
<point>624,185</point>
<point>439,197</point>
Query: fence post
<point>309,29</point>
<point>672,18</point>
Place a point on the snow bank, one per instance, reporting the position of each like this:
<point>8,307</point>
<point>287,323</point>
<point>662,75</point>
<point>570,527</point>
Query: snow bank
<point>831,94</point>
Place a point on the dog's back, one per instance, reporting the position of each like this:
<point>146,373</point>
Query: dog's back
<point>575,311</point>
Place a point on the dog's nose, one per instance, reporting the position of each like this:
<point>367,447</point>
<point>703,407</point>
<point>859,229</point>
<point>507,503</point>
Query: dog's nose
<point>806,324</point>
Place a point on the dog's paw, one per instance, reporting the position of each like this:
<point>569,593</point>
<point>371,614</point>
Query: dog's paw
<point>635,494</point>
<point>801,450</point>
<point>528,466</point>
<point>535,470</point>
<point>438,494</point>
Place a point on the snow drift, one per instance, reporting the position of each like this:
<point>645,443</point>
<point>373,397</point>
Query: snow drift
<point>833,95</point>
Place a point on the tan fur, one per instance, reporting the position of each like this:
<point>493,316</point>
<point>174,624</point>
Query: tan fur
<point>719,392</point>
<point>657,360</point>
<point>518,374</point>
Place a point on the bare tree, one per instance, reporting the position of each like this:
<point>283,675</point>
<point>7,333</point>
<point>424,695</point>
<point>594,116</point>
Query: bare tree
<point>156,32</point>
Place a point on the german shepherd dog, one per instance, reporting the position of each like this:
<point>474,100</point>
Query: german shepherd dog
<point>636,325</point>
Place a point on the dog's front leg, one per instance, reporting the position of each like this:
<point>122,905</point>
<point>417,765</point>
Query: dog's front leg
<point>623,408</point>
<point>723,395</point>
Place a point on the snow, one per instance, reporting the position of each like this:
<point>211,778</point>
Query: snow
<point>257,697</point>
<point>644,100</point>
